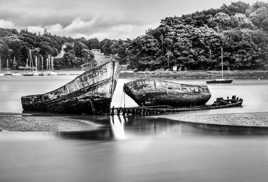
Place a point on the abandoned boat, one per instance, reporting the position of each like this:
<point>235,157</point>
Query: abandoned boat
<point>89,93</point>
<point>153,92</point>
<point>219,103</point>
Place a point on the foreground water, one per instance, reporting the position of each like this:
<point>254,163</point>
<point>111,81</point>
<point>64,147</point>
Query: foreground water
<point>131,149</point>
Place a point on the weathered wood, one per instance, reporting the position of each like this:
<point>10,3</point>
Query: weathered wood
<point>89,93</point>
<point>146,111</point>
<point>151,92</point>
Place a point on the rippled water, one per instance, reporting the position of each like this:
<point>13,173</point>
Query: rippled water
<point>131,149</point>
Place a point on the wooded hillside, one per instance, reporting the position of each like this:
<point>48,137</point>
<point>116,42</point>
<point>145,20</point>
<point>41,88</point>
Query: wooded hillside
<point>194,41</point>
<point>191,42</point>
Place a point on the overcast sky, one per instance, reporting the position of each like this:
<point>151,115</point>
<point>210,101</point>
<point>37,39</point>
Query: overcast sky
<point>96,18</point>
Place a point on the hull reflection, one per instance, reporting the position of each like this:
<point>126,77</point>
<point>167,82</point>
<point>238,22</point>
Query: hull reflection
<point>117,124</point>
<point>121,127</point>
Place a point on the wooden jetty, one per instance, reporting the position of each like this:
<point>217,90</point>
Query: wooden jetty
<point>220,103</point>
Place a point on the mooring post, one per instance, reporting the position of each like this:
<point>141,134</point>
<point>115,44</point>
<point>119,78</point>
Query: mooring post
<point>112,111</point>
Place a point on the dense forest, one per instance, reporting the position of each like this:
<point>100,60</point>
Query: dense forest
<point>195,41</point>
<point>17,47</point>
<point>190,42</point>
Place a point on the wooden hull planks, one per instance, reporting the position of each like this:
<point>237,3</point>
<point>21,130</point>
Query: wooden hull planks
<point>152,92</point>
<point>148,111</point>
<point>89,93</point>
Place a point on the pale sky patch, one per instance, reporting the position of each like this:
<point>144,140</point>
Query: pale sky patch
<point>96,18</point>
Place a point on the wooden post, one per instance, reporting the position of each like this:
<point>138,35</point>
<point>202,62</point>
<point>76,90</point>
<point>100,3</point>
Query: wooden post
<point>92,106</point>
<point>112,111</point>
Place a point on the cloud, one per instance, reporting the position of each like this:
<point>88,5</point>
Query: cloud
<point>35,29</point>
<point>95,18</point>
<point>6,24</point>
<point>100,28</point>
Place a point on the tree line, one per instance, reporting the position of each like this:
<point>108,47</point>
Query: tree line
<point>189,42</point>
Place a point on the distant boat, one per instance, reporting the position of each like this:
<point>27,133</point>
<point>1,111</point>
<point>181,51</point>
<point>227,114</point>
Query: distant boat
<point>89,93</point>
<point>220,80</point>
<point>154,92</point>
<point>1,74</point>
<point>28,74</point>
<point>7,73</point>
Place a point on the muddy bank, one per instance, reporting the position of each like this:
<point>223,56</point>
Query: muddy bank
<point>191,75</point>
<point>46,123</point>
<point>252,120</point>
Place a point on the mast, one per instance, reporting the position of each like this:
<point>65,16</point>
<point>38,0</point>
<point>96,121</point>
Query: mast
<point>7,65</point>
<point>0,64</point>
<point>222,62</point>
<point>52,63</point>
<point>14,61</point>
<point>31,60</point>
<point>36,69</point>
<point>27,64</point>
<point>48,62</point>
<point>42,62</point>
<point>112,89</point>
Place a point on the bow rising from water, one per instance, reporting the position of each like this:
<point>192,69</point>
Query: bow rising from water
<point>90,93</point>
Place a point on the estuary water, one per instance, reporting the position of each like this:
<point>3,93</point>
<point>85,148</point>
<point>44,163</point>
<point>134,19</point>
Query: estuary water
<point>119,149</point>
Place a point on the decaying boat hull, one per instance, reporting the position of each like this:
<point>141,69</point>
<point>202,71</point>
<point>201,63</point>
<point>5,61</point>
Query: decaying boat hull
<point>219,81</point>
<point>73,106</point>
<point>158,92</point>
<point>89,93</point>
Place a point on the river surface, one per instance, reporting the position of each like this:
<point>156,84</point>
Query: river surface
<point>120,149</point>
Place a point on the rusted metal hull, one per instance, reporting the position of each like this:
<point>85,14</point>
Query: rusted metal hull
<point>89,93</point>
<point>153,92</point>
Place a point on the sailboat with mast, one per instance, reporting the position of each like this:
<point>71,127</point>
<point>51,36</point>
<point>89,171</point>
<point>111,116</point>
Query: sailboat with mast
<point>1,74</point>
<point>7,73</point>
<point>222,79</point>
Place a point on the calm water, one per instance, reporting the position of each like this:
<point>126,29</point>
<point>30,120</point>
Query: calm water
<point>133,149</point>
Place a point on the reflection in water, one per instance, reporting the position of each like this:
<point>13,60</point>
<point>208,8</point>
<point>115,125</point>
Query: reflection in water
<point>114,129</point>
<point>103,133</point>
<point>121,127</point>
<point>117,124</point>
<point>154,149</point>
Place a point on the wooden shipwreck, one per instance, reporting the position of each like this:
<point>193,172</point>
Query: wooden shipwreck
<point>154,92</point>
<point>220,103</point>
<point>89,93</point>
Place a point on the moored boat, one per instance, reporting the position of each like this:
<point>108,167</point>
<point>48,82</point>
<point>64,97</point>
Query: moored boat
<point>219,81</point>
<point>89,93</point>
<point>154,92</point>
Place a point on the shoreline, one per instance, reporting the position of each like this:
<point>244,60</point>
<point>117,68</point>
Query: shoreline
<point>197,75</point>
<point>182,75</point>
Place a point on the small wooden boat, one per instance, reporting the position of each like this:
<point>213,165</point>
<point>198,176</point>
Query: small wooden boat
<point>220,81</point>
<point>153,92</point>
<point>89,93</point>
<point>28,74</point>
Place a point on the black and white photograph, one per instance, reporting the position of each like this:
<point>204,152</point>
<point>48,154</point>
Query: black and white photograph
<point>134,91</point>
